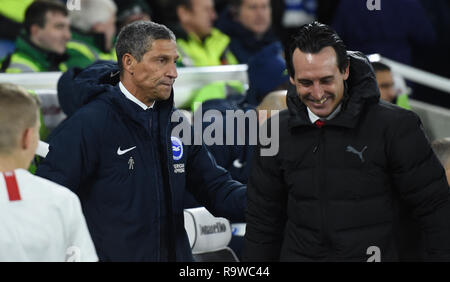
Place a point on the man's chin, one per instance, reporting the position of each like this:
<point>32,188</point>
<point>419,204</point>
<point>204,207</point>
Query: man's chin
<point>321,110</point>
<point>164,96</point>
<point>322,113</point>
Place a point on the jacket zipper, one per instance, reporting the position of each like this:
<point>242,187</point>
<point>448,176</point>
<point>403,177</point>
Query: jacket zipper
<point>171,226</point>
<point>321,184</point>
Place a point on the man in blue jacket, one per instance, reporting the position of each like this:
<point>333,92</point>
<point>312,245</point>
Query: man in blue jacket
<point>118,155</point>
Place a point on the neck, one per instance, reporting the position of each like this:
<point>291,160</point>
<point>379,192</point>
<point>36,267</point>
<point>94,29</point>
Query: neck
<point>131,87</point>
<point>190,32</point>
<point>36,44</point>
<point>9,163</point>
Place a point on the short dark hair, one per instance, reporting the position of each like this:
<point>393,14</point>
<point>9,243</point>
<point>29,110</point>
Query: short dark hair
<point>379,66</point>
<point>185,3</point>
<point>137,38</point>
<point>234,7</point>
<point>35,13</point>
<point>312,38</point>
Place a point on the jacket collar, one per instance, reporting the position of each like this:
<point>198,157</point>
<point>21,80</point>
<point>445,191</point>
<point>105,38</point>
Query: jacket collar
<point>360,90</point>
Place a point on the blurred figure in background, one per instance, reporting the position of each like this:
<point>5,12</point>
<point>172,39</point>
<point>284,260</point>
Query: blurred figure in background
<point>388,88</point>
<point>93,33</point>
<point>199,43</point>
<point>248,23</point>
<point>39,220</point>
<point>267,73</point>
<point>42,45</point>
<point>442,149</point>
<point>268,80</point>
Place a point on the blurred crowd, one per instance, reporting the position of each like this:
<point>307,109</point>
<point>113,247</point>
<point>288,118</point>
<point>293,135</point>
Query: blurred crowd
<point>70,36</point>
<point>64,34</point>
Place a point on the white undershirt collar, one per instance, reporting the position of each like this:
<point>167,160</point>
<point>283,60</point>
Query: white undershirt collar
<point>313,118</point>
<point>133,98</point>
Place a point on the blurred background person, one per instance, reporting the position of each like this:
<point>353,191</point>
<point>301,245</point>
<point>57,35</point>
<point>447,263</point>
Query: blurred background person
<point>389,91</point>
<point>39,220</point>
<point>93,33</point>
<point>199,43</point>
<point>441,148</point>
<point>41,46</point>
<point>248,23</point>
<point>268,80</point>
<point>267,73</point>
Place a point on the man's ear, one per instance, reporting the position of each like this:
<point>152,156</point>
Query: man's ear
<point>34,29</point>
<point>291,80</point>
<point>182,13</point>
<point>347,71</point>
<point>26,138</point>
<point>128,63</point>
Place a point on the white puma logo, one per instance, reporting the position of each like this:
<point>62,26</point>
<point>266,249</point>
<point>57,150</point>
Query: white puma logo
<point>354,151</point>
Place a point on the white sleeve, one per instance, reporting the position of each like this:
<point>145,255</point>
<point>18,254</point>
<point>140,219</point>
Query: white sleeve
<point>80,247</point>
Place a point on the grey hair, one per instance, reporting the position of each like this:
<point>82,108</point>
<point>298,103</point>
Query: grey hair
<point>92,12</point>
<point>137,38</point>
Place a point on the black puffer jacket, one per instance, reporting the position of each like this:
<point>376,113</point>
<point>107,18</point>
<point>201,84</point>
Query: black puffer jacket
<point>332,193</point>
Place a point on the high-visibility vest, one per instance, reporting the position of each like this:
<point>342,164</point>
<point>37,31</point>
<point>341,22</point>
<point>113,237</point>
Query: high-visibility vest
<point>212,51</point>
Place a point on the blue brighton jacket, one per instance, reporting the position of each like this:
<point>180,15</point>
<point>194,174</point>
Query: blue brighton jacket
<point>130,173</point>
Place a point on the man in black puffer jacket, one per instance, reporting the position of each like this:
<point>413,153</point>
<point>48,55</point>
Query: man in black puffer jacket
<point>346,163</point>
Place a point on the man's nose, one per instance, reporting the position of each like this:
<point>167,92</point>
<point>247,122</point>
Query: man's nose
<point>67,34</point>
<point>172,71</point>
<point>317,91</point>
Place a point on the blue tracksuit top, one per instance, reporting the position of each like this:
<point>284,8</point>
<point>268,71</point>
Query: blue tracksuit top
<point>130,173</point>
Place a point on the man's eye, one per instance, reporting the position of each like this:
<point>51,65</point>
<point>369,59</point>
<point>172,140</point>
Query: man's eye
<point>306,83</point>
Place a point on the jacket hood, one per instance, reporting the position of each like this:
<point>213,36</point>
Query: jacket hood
<point>77,87</point>
<point>361,89</point>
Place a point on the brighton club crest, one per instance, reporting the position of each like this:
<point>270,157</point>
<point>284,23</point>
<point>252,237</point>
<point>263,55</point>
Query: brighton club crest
<point>177,148</point>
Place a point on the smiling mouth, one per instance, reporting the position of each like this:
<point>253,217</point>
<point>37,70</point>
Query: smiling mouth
<point>320,102</point>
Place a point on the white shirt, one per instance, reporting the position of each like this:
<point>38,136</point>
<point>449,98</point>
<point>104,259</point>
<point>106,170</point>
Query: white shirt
<point>313,118</point>
<point>133,98</point>
<point>41,221</point>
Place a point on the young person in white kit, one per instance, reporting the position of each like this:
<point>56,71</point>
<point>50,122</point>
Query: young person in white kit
<point>39,220</point>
